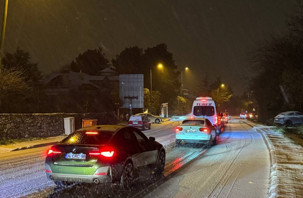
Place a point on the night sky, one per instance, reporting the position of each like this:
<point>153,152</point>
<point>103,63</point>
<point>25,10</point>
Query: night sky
<point>212,37</point>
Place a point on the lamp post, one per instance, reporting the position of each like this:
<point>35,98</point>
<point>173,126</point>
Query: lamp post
<point>186,69</point>
<point>221,86</point>
<point>159,66</point>
<point>3,32</point>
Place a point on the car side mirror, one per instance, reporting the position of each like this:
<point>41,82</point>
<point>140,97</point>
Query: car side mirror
<point>152,139</point>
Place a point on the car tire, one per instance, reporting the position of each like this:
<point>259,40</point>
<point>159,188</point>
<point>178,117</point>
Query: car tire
<point>209,143</point>
<point>157,121</point>
<point>215,141</point>
<point>127,176</point>
<point>288,123</point>
<point>160,164</point>
<point>178,143</point>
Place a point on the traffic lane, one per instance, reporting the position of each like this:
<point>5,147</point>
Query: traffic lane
<point>238,166</point>
<point>175,160</point>
<point>22,172</point>
<point>161,130</point>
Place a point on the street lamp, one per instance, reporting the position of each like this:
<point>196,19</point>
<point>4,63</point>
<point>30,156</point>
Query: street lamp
<point>159,66</point>
<point>221,86</point>
<point>3,32</point>
<point>186,69</point>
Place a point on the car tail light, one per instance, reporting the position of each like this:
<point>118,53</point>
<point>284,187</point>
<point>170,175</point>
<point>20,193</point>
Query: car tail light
<point>106,152</point>
<point>48,171</point>
<point>140,122</point>
<point>205,130</point>
<point>130,122</point>
<point>203,100</point>
<point>53,151</point>
<point>91,132</point>
<point>178,129</point>
<point>216,120</point>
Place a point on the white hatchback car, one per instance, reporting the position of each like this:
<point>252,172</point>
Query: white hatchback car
<point>289,118</point>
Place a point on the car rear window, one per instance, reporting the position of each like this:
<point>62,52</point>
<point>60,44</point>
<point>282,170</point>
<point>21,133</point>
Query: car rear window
<point>204,111</point>
<point>80,137</point>
<point>135,118</point>
<point>193,122</point>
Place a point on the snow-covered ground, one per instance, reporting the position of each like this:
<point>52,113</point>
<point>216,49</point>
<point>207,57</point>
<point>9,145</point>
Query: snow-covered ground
<point>239,166</point>
<point>247,162</point>
<point>286,164</point>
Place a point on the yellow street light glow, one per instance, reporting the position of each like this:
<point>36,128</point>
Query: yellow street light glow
<point>160,66</point>
<point>222,85</point>
<point>186,68</point>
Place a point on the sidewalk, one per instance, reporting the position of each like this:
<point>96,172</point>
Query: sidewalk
<point>30,144</point>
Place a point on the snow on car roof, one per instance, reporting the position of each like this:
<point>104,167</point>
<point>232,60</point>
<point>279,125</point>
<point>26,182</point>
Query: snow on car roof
<point>112,128</point>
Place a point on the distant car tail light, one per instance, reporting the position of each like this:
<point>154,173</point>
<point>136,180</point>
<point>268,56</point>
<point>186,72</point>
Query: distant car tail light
<point>130,122</point>
<point>178,129</point>
<point>140,122</point>
<point>216,120</point>
<point>53,151</point>
<point>91,132</point>
<point>205,130</point>
<point>48,171</point>
<point>203,100</point>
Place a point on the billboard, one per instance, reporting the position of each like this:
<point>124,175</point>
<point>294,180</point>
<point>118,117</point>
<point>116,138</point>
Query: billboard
<point>131,90</point>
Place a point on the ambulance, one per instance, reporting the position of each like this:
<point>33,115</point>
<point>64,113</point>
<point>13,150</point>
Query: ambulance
<point>205,107</point>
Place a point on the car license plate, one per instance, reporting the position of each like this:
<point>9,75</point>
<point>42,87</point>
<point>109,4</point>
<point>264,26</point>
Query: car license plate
<point>135,122</point>
<point>75,156</point>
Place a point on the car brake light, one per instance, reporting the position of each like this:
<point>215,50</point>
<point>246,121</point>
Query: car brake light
<point>204,130</point>
<point>130,122</point>
<point>107,152</point>
<point>53,151</point>
<point>48,171</point>
<point>178,129</point>
<point>140,122</point>
<point>203,100</point>
<point>91,132</point>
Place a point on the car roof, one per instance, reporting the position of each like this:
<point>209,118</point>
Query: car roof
<point>287,112</point>
<point>111,128</point>
<point>195,119</point>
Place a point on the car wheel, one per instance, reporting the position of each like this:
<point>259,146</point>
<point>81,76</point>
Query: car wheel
<point>127,176</point>
<point>157,121</point>
<point>178,143</point>
<point>209,143</point>
<point>160,164</point>
<point>288,123</point>
<point>215,141</point>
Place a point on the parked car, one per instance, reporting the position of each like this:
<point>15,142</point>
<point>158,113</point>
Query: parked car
<point>243,115</point>
<point>289,118</point>
<point>104,153</point>
<point>139,121</point>
<point>153,118</point>
<point>196,130</point>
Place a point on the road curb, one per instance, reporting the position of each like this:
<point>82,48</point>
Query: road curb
<point>34,146</point>
<point>273,188</point>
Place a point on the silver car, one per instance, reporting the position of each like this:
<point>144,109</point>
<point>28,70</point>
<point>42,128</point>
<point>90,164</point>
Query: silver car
<point>153,118</point>
<point>289,118</point>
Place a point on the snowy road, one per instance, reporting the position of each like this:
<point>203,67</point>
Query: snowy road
<point>237,167</point>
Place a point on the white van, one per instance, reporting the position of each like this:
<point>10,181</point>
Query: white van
<point>205,107</point>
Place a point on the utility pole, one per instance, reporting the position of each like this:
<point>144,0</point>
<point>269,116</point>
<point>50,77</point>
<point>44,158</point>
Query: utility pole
<point>3,32</point>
